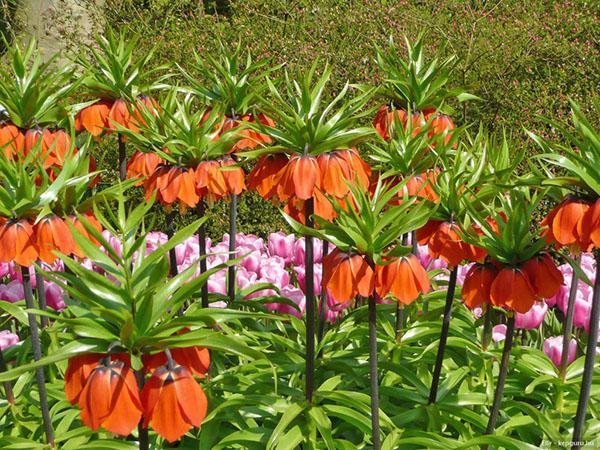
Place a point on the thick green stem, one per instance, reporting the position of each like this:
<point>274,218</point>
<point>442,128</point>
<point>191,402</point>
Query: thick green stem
<point>232,243</point>
<point>510,331</point>
<point>443,336</point>
<point>590,360</point>
<point>310,303</point>
<point>568,325</point>
<point>202,252</point>
<point>37,355</point>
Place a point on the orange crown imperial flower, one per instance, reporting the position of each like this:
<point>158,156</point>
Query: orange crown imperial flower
<point>110,398</point>
<point>347,276</point>
<point>173,402</point>
<point>404,278</point>
<point>478,284</point>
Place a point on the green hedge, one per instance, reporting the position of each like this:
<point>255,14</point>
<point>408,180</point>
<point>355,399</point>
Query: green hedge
<point>524,59</point>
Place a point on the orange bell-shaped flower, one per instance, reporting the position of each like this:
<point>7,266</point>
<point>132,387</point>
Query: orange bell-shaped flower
<point>545,277</point>
<point>12,141</point>
<point>233,176</point>
<point>405,279</point>
<point>94,118</point>
<point>78,371</point>
<point>299,178</point>
<point>142,165</point>
<point>18,243</point>
<point>360,171</point>
<point>173,184</point>
<point>173,402</point>
<point>53,234</point>
<point>119,115</point>
<point>564,224</point>
<point>335,174</point>
<point>264,177</point>
<point>589,226</point>
<point>478,284</point>
<point>196,359</point>
<point>78,225</point>
<point>347,276</point>
<point>384,119</point>
<point>210,180</point>
<point>110,399</point>
<point>512,289</point>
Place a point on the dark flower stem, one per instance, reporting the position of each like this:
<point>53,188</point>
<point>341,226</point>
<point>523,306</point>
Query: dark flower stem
<point>122,157</point>
<point>322,299</point>
<point>232,244</point>
<point>443,335</point>
<point>144,443</point>
<point>202,252</point>
<point>41,291</point>
<point>590,360</point>
<point>310,303</point>
<point>508,341</point>
<point>37,355</point>
<point>399,320</point>
<point>10,397</point>
<point>568,325</point>
<point>487,328</point>
<point>373,372</point>
<point>172,252</point>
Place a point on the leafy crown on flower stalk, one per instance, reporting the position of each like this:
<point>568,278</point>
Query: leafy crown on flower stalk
<point>305,124</point>
<point>518,270</point>
<point>415,83</point>
<point>313,152</point>
<point>575,221</point>
<point>33,93</point>
<point>184,154</point>
<point>229,81</point>
<point>113,73</point>
<point>366,232</point>
<point>118,82</point>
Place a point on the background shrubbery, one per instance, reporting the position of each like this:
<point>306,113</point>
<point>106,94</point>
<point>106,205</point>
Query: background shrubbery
<point>524,59</point>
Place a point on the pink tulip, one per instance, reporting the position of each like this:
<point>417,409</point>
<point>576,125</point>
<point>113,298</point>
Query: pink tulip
<point>582,311</point>
<point>553,350</point>
<point>4,269</point>
<point>54,296</point>
<point>155,239</point>
<point>299,252</point>
<point>333,309</point>
<point>250,241</point>
<point>301,276</point>
<point>114,242</point>
<point>533,318</point>
<point>272,270</point>
<point>245,278</point>
<point>217,283</point>
<point>477,312</point>
<point>252,261</point>
<point>8,339</point>
<point>219,254</point>
<point>499,333</point>
<point>282,245</point>
<point>297,296</point>
<point>12,292</point>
